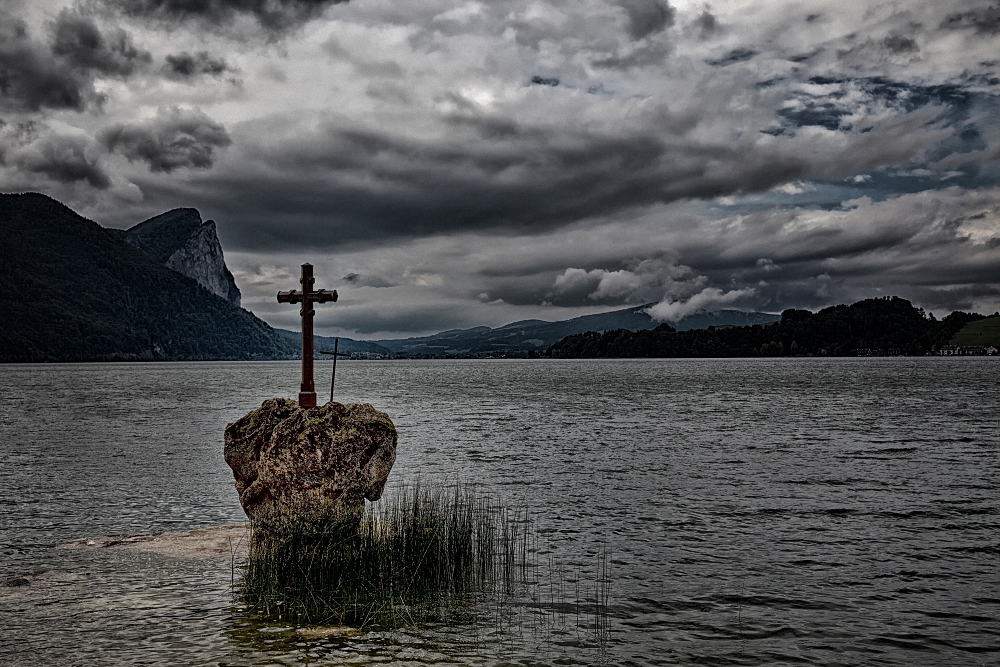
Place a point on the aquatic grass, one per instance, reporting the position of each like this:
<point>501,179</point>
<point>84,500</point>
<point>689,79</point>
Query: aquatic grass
<point>450,556</point>
<point>418,554</point>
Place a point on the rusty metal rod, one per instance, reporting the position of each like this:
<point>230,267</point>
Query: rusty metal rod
<point>335,353</point>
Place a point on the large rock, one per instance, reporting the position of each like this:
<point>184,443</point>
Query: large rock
<point>309,464</point>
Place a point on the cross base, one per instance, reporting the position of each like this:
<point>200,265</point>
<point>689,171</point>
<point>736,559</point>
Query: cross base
<point>307,399</point>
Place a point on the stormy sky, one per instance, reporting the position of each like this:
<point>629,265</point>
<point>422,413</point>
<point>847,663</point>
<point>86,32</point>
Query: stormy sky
<point>447,164</point>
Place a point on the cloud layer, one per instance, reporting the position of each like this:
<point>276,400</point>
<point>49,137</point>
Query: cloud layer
<point>530,159</point>
<point>273,15</point>
<point>175,138</point>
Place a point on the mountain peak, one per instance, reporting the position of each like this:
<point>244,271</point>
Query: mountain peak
<point>179,240</point>
<point>70,291</point>
<point>161,236</point>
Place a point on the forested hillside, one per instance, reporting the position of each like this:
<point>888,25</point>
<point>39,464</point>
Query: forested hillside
<point>71,291</point>
<point>887,325</point>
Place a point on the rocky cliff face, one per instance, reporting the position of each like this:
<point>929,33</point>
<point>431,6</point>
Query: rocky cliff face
<point>180,241</point>
<point>201,258</point>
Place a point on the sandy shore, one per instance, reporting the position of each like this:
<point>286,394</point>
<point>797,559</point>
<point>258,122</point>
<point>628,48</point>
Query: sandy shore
<point>211,542</point>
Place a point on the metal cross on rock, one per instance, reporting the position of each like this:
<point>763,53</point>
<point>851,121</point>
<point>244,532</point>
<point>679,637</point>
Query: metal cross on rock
<point>307,297</point>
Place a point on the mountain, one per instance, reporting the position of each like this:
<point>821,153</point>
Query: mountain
<point>346,345</point>
<point>71,290</point>
<point>523,335</point>
<point>179,240</point>
<point>884,326</point>
<point>539,334</point>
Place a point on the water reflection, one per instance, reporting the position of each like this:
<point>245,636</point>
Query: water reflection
<point>479,638</point>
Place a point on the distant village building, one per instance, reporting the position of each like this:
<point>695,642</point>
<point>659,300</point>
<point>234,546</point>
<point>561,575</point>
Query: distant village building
<point>965,350</point>
<point>879,352</point>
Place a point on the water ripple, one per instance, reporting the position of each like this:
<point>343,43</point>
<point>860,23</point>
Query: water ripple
<point>786,511</point>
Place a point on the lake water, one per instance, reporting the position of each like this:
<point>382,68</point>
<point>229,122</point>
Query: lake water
<point>785,511</point>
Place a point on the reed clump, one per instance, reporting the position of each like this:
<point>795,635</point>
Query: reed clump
<point>419,554</point>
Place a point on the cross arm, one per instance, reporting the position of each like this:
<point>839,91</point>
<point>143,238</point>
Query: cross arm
<point>292,296</point>
<point>319,296</point>
<point>322,296</point>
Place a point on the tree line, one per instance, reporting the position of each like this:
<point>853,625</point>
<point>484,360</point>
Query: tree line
<point>881,326</point>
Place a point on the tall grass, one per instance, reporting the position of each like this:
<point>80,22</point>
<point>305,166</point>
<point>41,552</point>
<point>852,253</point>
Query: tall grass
<point>423,554</point>
<point>419,553</point>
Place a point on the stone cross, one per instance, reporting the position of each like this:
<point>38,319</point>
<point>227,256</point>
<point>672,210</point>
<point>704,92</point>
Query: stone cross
<point>307,297</point>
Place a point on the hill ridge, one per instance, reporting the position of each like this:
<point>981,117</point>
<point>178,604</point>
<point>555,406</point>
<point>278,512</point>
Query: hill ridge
<point>71,291</point>
<point>522,335</point>
<point>884,326</point>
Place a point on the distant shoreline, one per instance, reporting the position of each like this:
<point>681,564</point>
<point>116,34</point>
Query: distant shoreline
<point>460,358</point>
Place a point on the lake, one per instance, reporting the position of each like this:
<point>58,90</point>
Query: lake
<point>764,511</point>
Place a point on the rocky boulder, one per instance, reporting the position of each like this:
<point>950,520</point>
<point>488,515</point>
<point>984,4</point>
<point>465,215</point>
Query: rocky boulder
<point>309,465</point>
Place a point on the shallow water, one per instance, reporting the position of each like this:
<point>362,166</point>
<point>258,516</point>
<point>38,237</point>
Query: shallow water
<point>787,511</point>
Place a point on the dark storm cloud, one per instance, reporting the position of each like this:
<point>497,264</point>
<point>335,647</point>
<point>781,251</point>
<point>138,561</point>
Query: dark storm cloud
<point>64,160</point>
<point>81,45</point>
<point>964,297</point>
<point>648,17</point>
<point>384,185</point>
<point>707,25</point>
<point>986,20</point>
<point>186,65</point>
<point>544,81</point>
<point>273,15</point>
<point>900,44</point>
<point>733,57</point>
<point>60,75</point>
<point>940,248</point>
<point>335,182</point>
<point>359,280</point>
<point>176,138</point>
<point>933,239</point>
<point>31,78</point>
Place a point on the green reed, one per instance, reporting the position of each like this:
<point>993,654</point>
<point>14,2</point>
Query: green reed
<point>425,554</point>
<point>417,554</point>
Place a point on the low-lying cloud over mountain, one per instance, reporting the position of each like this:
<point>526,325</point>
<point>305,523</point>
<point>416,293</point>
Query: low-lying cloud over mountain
<point>450,164</point>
